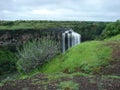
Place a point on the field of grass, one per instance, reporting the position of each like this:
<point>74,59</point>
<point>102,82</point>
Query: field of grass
<point>88,57</point>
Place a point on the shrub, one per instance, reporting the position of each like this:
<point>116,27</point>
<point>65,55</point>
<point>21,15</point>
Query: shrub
<point>7,61</point>
<point>36,53</point>
<point>111,29</point>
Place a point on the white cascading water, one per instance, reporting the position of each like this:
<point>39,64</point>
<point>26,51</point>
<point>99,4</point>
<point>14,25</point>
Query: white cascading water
<point>63,42</point>
<point>69,39</point>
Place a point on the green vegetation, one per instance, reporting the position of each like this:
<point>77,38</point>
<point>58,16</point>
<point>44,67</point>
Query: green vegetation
<point>68,85</point>
<point>111,29</point>
<point>115,38</point>
<point>36,53</point>
<point>79,58</point>
<point>9,77</point>
<point>7,61</point>
<point>79,62</point>
<point>88,30</point>
<point>88,57</point>
<point>15,25</point>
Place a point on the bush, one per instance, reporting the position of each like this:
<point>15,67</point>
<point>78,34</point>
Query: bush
<point>111,29</point>
<point>7,61</point>
<point>36,53</point>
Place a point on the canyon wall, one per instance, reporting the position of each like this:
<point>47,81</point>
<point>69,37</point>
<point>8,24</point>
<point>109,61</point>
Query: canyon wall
<point>16,38</point>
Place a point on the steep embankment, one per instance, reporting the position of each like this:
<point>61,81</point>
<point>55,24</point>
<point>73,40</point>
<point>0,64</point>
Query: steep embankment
<point>96,57</point>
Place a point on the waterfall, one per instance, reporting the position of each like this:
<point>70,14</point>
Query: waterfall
<point>63,42</point>
<point>69,39</point>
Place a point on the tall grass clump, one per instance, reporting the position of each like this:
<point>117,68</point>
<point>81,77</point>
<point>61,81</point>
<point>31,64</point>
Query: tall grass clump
<point>35,53</point>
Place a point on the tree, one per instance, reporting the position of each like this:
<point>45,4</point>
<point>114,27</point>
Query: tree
<point>111,29</point>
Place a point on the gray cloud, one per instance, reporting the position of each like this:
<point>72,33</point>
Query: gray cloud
<point>93,10</point>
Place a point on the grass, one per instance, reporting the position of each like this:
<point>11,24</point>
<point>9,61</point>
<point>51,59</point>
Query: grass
<point>8,77</point>
<point>111,76</point>
<point>7,61</point>
<point>15,25</point>
<point>68,85</point>
<point>87,57</point>
<point>115,38</point>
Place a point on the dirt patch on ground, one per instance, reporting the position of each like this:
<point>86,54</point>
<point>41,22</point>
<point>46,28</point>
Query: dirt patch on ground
<point>114,67</point>
<point>116,50</point>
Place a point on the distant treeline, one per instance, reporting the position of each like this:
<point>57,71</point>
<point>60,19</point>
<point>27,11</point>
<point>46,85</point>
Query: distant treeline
<point>88,30</point>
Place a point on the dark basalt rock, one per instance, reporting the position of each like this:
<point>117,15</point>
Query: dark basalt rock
<point>15,38</point>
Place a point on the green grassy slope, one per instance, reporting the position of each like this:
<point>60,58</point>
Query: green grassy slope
<point>115,38</point>
<point>87,57</point>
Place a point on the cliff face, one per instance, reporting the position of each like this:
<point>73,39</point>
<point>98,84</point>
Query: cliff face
<point>15,38</point>
<point>10,39</point>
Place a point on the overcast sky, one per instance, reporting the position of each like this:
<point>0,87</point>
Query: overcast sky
<point>82,10</point>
